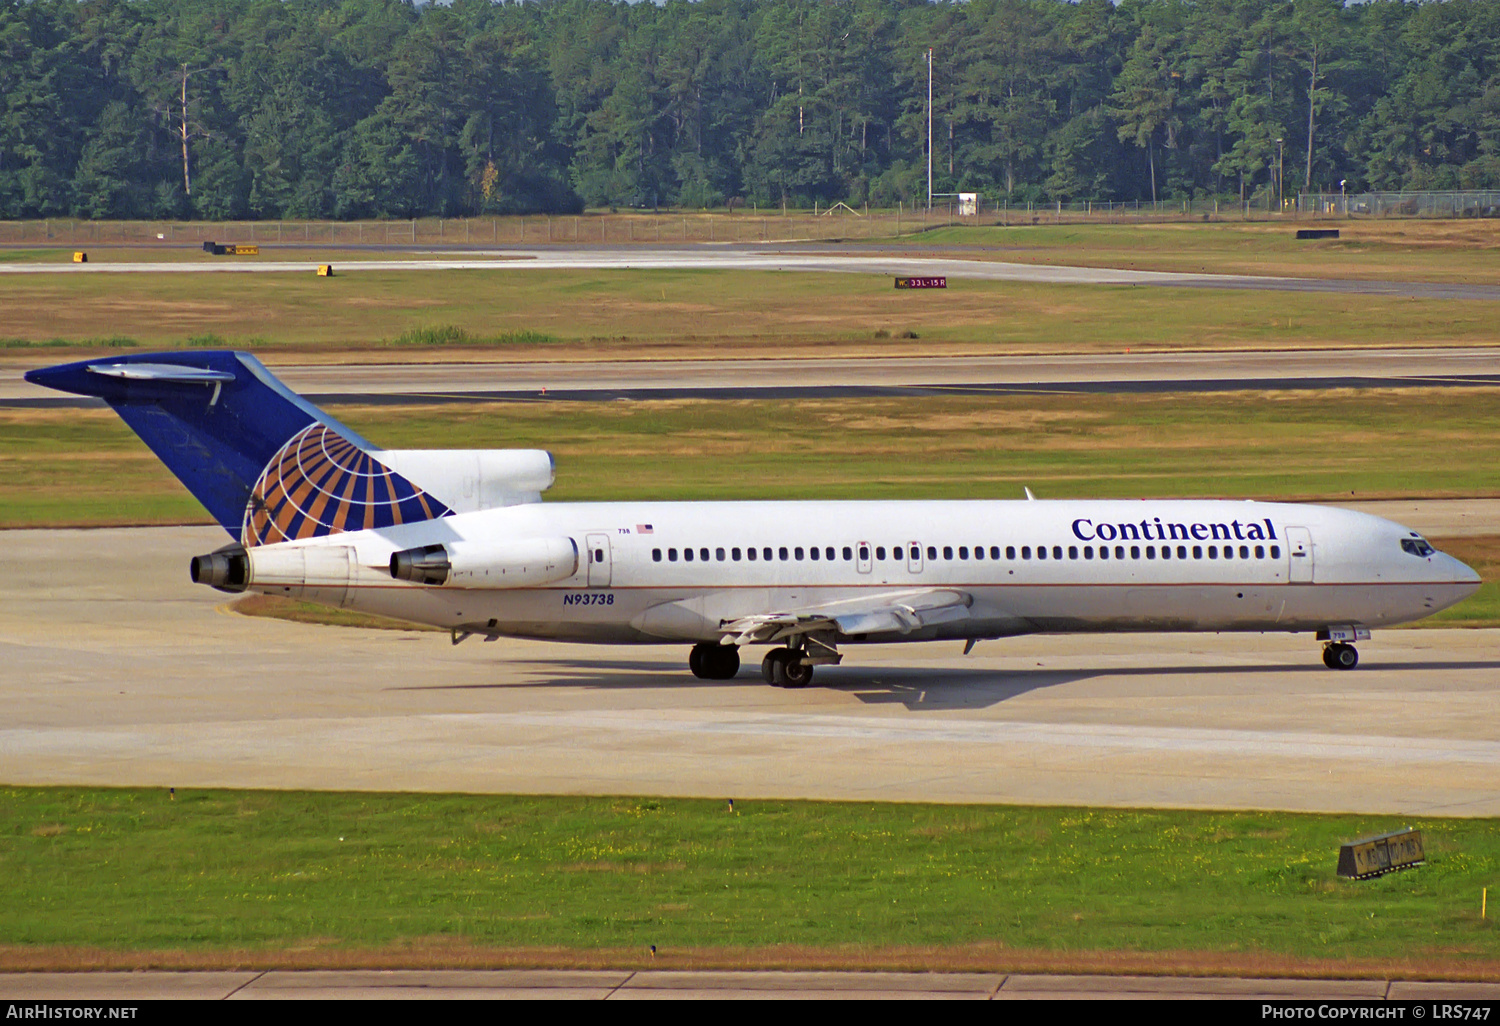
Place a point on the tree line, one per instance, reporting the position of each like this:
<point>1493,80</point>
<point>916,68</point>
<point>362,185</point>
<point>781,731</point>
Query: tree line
<point>222,109</point>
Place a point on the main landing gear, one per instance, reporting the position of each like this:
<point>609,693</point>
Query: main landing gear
<point>1338,655</point>
<point>714,662</point>
<point>786,668</point>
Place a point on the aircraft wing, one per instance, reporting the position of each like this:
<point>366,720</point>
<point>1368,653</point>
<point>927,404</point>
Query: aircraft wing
<point>894,612</point>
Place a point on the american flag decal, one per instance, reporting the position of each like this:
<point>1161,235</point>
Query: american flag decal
<point>642,528</point>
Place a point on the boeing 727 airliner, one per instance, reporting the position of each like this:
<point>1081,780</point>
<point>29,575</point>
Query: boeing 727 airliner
<point>461,540</point>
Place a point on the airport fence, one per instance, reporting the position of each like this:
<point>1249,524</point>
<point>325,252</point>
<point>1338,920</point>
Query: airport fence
<point>1472,203</point>
<point>741,225</point>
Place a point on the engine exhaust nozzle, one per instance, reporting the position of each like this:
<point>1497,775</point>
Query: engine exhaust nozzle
<point>227,569</point>
<point>426,565</point>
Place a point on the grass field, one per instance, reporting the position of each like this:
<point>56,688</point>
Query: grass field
<point>60,467</point>
<point>526,314</point>
<point>321,878</point>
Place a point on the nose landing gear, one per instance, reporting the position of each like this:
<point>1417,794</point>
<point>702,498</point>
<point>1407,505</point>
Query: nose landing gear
<point>1340,656</point>
<point>1338,653</point>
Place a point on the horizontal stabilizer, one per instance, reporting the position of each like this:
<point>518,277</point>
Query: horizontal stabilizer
<point>160,372</point>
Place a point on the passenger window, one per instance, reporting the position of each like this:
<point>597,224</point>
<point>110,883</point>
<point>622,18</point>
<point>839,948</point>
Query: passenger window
<point>1104,552</point>
<point>751,554</point>
<point>1072,551</point>
<point>963,552</point>
<point>1119,552</point>
<point>828,552</point>
<point>864,553</point>
<point>783,553</point>
<point>1275,551</point>
<point>703,555</point>
<point>1260,552</point>
<point>916,552</point>
<point>671,555</point>
<point>1244,552</point>
<point>1041,552</point>
<point>1150,551</point>
<point>1197,551</point>
<point>1010,552</point>
<point>734,554</point>
<point>1088,552</point>
<point>1025,551</point>
<point>1057,552</point>
<point>656,555</point>
<point>687,555</point>
<point>813,552</point>
<point>1166,552</point>
<point>1182,552</point>
<point>719,555</point>
<point>1213,552</point>
<point>765,553</point>
<point>880,552</point>
<point>797,552</point>
<point>947,551</point>
<point>1135,552</point>
<point>932,552</point>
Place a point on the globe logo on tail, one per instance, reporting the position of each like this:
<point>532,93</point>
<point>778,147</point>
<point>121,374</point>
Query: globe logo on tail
<point>320,483</point>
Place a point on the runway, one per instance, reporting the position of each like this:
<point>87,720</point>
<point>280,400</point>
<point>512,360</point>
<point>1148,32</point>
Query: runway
<point>121,672</point>
<point>740,257</point>
<point>598,380</point>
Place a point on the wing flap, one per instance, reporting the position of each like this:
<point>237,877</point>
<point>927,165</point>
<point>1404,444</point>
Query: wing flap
<point>887,613</point>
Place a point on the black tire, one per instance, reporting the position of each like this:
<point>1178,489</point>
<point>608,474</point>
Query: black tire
<point>1328,657</point>
<point>795,672</point>
<point>1346,657</point>
<point>702,668</point>
<point>722,662</point>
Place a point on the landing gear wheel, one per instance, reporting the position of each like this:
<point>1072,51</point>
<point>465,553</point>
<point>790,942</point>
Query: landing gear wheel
<point>1340,656</point>
<point>773,667</point>
<point>724,663</point>
<point>795,672</point>
<point>714,662</point>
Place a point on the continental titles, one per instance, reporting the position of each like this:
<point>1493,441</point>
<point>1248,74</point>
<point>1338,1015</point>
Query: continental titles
<point>1153,529</point>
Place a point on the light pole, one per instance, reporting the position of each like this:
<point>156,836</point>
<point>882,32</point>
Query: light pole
<point>1280,196</point>
<point>929,129</point>
<point>1344,196</point>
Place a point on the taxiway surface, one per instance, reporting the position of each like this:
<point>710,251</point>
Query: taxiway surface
<point>625,985</point>
<point>739,257</point>
<point>667,379</point>
<point>118,671</point>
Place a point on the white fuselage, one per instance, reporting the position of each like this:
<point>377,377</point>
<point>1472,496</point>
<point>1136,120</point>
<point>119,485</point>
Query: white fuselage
<point>1029,566</point>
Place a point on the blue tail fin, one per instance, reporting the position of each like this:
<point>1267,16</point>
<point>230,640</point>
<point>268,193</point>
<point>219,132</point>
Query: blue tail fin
<point>268,465</point>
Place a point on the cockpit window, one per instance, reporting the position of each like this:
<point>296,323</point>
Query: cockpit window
<point>1416,546</point>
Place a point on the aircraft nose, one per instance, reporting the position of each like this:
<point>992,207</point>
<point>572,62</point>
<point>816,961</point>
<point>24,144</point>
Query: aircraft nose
<point>1462,572</point>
